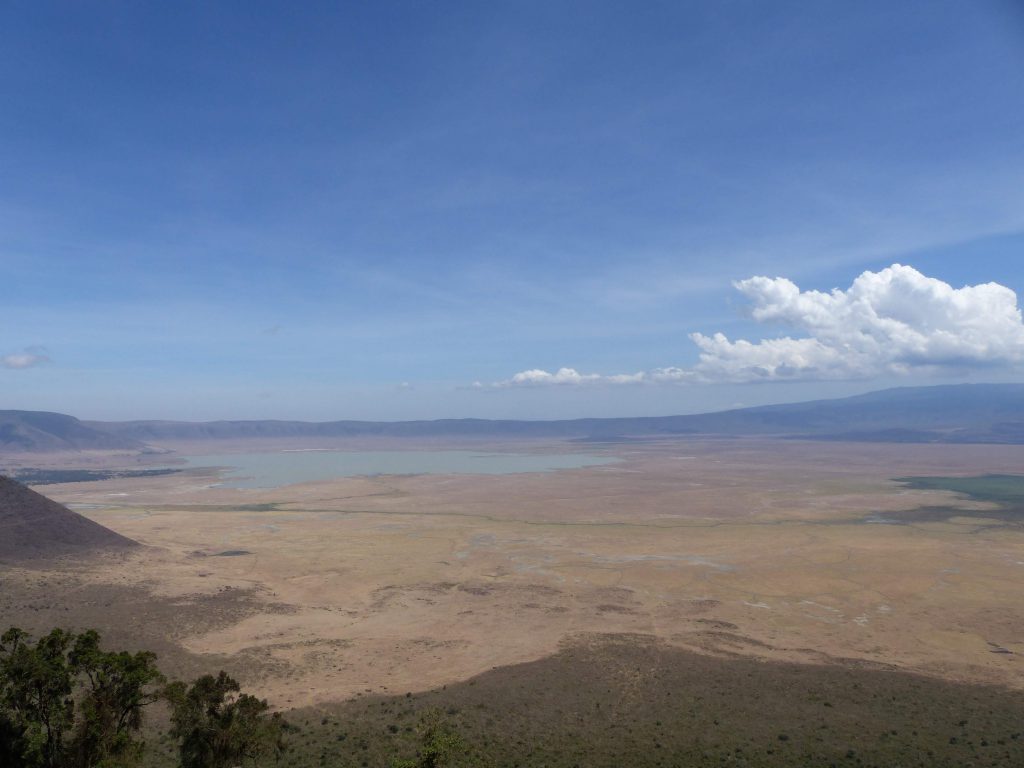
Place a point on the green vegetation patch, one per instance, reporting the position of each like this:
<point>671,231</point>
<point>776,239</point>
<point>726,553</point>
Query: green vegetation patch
<point>1007,490</point>
<point>31,476</point>
<point>273,506</point>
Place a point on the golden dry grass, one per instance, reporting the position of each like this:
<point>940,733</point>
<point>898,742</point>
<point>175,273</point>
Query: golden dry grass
<point>750,547</point>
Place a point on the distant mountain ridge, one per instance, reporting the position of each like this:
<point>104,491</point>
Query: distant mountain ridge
<point>957,413</point>
<point>40,431</point>
<point>33,527</point>
<point>967,413</point>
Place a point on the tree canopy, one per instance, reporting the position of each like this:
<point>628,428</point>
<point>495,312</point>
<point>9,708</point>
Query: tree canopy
<point>219,727</point>
<point>67,703</point>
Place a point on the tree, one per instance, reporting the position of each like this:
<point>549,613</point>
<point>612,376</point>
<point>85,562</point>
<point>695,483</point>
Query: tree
<point>217,726</point>
<point>36,683</point>
<point>440,744</point>
<point>65,703</point>
<point>117,687</point>
<point>12,740</point>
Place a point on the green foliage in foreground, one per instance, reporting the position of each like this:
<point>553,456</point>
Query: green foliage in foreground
<point>219,727</point>
<point>440,745</point>
<point>65,703</point>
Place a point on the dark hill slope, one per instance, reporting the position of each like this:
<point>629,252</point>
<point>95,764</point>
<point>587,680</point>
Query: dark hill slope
<point>978,413</point>
<point>41,431</point>
<point>35,527</point>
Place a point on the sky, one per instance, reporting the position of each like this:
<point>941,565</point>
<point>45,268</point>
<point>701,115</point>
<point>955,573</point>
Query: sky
<point>401,210</point>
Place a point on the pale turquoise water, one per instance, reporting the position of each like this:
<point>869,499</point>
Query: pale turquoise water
<point>271,470</point>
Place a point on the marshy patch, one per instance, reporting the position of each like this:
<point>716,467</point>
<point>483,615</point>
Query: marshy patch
<point>36,476</point>
<point>1005,494</point>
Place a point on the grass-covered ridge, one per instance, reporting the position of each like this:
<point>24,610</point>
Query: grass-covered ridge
<point>632,701</point>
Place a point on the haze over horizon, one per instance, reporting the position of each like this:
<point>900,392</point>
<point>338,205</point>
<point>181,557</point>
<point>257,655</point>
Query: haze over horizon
<point>412,211</point>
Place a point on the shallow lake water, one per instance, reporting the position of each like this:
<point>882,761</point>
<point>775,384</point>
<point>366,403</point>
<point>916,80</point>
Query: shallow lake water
<point>271,470</point>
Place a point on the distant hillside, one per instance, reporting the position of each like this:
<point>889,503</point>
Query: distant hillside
<point>966,413</point>
<point>975,413</point>
<point>40,431</point>
<point>970,413</point>
<point>35,527</point>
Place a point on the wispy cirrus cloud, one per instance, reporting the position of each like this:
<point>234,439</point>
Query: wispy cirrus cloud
<point>27,358</point>
<point>896,321</point>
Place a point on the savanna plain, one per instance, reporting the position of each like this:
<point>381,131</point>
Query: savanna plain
<point>697,601</point>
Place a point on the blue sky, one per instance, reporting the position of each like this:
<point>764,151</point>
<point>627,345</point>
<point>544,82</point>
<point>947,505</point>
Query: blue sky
<point>359,210</point>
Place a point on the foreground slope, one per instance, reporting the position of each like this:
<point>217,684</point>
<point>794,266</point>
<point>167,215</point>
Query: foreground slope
<point>35,527</point>
<point>630,701</point>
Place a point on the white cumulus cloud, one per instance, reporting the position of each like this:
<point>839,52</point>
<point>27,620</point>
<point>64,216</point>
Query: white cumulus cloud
<point>895,321</point>
<point>537,377</point>
<point>570,376</point>
<point>890,322</point>
<point>28,358</point>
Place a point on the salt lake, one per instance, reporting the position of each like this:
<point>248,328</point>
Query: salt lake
<point>272,470</point>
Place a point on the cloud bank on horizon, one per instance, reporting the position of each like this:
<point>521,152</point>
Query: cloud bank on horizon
<point>896,321</point>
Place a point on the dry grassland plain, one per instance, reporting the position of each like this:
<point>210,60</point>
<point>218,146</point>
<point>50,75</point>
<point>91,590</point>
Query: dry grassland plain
<point>758,548</point>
